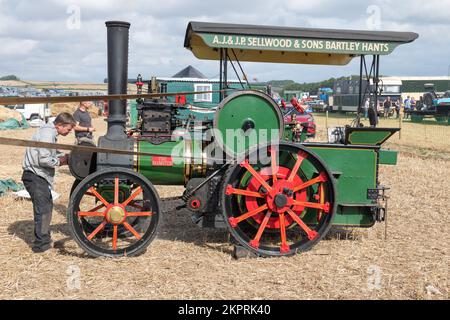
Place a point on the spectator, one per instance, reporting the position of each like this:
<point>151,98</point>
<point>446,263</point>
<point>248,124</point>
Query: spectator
<point>398,105</point>
<point>84,128</point>
<point>366,108</point>
<point>413,104</point>
<point>38,174</point>
<point>387,107</point>
<point>407,108</point>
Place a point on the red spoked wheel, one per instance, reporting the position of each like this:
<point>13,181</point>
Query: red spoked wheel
<point>114,212</point>
<point>280,205</point>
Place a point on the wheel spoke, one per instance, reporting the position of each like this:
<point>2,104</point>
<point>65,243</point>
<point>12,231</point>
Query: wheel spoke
<point>230,190</point>
<point>134,205</point>
<point>325,206</point>
<point>284,248</point>
<point>97,230</point>
<point>134,195</point>
<point>114,243</point>
<point>321,178</point>
<point>310,233</point>
<point>234,221</point>
<point>131,229</point>
<point>99,197</point>
<point>255,242</point>
<point>257,176</point>
<point>321,198</point>
<point>139,214</point>
<point>300,157</point>
<point>90,214</point>
<point>116,191</point>
<point>273,156</point>
<point>97,208</point>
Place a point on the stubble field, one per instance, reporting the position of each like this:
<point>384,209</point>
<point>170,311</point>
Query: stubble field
<point>185,262</point>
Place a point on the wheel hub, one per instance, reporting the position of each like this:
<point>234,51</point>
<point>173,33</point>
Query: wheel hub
<point>279,199</point>
<point>116,215</point>
<point>282,186</point>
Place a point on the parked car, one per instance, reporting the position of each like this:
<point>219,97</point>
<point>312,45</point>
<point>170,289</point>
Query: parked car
<point>302,117</point>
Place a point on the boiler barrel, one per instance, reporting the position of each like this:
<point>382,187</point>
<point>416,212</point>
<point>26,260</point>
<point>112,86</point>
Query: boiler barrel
<point>176,163</point>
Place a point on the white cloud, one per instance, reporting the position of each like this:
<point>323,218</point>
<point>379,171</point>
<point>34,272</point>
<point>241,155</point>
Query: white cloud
<point>36,42</point>
<point>16,47</point>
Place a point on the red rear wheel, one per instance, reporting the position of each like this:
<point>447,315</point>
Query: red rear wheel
<point>282,206</point>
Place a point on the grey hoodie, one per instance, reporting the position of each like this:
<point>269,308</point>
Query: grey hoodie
<point>42,161</point>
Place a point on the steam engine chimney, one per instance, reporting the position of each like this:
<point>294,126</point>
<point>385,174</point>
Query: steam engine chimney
<point>117,76</point>
<point>117,84</point>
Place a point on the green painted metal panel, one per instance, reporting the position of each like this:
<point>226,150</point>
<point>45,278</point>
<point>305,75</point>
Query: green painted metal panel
<point>356,169</point>
<point>353,216</point>
<point>388,157</point>
<point>245,109</point>
<point>160,171</point>
<point>369,137</point>
<point>355,172</point>
<point>133,114</point>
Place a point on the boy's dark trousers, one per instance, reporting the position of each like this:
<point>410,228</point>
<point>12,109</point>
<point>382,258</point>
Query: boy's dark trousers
<point>39,190</point>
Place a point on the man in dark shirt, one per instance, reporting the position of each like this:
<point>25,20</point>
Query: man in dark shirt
<point>387,107</point>
<point>84,128</point>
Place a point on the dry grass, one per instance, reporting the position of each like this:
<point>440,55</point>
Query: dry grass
<point>427,138</point>
<point>186,262</point>
<point>6,114</point>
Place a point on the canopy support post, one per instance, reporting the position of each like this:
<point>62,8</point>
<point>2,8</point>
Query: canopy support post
<point>220,75</point>
<point>360,94</point>
<point>376,60</point>
<point>225,72</point>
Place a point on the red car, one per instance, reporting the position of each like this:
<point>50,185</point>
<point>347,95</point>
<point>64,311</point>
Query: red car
<point>301,117</point>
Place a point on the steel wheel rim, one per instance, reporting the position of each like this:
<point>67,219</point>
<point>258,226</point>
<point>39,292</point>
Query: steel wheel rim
<point>245,232</point>
<point>114,233</point>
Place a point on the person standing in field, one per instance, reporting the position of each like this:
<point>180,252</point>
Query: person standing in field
<point>387,107</point>
<point>39,166</point>
<point>413,103</point>
<point>407,108</point>
<point>84,128</point>
<point>398,105</point>
<point>366,108</point>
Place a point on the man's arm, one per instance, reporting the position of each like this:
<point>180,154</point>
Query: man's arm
<point>83,129</point>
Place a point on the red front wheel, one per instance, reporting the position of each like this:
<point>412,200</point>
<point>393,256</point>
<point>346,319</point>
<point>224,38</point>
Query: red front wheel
<point>114,212</point>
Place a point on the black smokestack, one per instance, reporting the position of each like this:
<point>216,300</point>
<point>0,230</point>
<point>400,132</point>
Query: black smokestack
<point>117,77</point>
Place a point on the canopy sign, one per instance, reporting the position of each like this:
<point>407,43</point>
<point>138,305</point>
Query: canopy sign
<point>297,44</point>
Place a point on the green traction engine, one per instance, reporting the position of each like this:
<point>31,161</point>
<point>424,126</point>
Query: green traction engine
<point>275,197</point>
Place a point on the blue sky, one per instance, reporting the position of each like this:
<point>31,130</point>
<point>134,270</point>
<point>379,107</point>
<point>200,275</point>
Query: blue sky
<point>65,40</point>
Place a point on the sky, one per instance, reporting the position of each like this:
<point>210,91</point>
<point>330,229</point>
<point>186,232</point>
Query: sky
<point>65,40</point>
